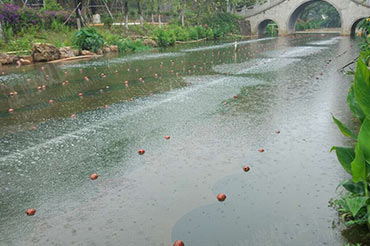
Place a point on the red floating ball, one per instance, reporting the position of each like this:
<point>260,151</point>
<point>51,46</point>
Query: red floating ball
<point>94,176</point>
<point>80,94</point>
<point>141,151</point>
<point>221,197</point>
<point>73,116</point>
<point>246,168</point>
<point>179,243</point>
<point>51,101</point>
<point>30,211</point>
<point>167,137</point>
<point>11,110</point>
<point>261,150</point>
<point>277,131</point>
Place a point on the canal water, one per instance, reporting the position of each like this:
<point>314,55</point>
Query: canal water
<point>218,105</point>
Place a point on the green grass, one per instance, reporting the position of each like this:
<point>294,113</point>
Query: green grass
<point>24,40</point>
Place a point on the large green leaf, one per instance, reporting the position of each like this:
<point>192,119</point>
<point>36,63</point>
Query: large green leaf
<point>362,87</point>
<point>358,166</point>
<point>356,188</point>
<point>346,132</point>
<point>353,104</point>
<point>345,156</point>
<point>364,138</point>
<point>356,203</point>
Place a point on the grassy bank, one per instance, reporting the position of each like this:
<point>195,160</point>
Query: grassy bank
<point>29,27</point>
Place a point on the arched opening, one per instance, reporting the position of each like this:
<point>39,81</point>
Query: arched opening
<point>268,28</point>
<point>314,14</point>
<point>355,27</point>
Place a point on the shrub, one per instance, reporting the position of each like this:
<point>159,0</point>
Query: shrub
<point>209,34</point>
<point>88,39</point>
<point>127,45</point>
<point>364,31</point>
<point>217,33</point>
<point>107,20</point>
<point>181,33</point>
<point>164,37</point>
<point>8,32</point>
<point>20,44</point>
<point>201,31</point>
<point>19,18</point>
<point>50,5</point>
<point>193,33</point>
<point>222,23</point>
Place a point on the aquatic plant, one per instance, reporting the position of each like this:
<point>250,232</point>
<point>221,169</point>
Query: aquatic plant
<point>355,204</point>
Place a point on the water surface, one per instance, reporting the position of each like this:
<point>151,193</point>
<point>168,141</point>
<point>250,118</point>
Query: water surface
<point>169,193</point>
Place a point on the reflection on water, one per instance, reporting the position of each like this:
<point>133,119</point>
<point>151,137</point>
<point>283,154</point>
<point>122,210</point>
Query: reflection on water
<point>48,149</point>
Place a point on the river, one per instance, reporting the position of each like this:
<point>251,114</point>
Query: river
<point>218,105</point>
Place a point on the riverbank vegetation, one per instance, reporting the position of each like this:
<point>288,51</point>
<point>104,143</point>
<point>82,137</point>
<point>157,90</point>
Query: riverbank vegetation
<point>354,203</point>
<point>23,26</point>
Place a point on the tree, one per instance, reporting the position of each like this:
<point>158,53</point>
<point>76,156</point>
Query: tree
<point>139,11</point>
<point>125,8</point>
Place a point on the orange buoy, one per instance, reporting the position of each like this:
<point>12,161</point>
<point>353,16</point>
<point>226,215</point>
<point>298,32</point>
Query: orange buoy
<point>94,176</point>
<point>30,211</point>
<point>246,168</point>
<point>179,243</point>
<point>221,197</point>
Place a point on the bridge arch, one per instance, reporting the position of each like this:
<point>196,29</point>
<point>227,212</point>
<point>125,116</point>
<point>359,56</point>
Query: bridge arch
<point>293,17</point>
<point>354,26</point>
<point>286,12</point>
<point>261,27</point>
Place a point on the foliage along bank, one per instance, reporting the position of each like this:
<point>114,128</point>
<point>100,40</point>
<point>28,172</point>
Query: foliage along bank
<point>23,27</point>
<point>354,204</point>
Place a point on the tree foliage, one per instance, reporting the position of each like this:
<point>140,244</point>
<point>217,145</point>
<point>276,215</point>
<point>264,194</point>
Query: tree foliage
<point>318,15</point>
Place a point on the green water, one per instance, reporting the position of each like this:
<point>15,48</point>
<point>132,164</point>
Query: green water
<point>169,193</point>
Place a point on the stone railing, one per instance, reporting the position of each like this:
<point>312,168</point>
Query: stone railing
<point>258,8</point>
<point>363,3</point>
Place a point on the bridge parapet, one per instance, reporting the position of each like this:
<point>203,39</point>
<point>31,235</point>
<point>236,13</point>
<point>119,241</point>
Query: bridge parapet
<point>259,8</point>
<point>363,3</point>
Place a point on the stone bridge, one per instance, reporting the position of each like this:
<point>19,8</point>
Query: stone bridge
<point>286,12</point>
